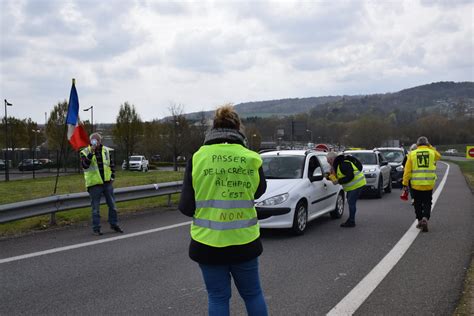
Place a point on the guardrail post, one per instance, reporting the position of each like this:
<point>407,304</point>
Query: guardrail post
<point>52,220</point>
<point>169,200</point>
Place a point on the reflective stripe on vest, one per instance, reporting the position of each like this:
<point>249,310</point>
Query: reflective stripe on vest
<point>225,225</point>
<point>223,204</point>
<point>358,180</point>
<point>423,167</point>
<point>92,174</point>
<point>225,178</point>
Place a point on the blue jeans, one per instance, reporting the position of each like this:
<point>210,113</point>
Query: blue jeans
<point>95,192</point>
<point>352,197</point>
<point>247,281</point>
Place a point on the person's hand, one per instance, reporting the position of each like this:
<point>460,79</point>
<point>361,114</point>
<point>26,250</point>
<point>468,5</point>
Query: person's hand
<point>405,188</point>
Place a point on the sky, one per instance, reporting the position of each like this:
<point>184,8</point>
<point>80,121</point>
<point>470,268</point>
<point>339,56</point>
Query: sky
<point>202,54</point>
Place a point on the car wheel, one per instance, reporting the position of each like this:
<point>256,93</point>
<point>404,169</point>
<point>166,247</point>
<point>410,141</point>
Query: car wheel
<point>339,210</point>
<point>379,192</point>
<point>388,189</point>
<point>300,219</point>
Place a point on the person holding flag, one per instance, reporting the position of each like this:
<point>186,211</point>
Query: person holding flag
<point>99,173</point>
<point>98,166</point>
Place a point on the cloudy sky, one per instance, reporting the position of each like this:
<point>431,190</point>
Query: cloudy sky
<point>201,54</point>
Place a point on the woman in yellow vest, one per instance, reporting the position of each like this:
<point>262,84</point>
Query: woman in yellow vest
<point>420,172</point>
<point>220,184</point>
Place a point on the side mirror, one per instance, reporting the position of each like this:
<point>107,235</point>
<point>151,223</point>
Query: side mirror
<point>384,163</point>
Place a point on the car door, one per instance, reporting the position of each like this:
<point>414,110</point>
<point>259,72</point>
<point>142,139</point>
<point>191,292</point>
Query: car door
<point>331,189</point>
<point>317,189</point>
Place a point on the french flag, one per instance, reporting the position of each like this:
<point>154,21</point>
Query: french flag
<point>76,133</point>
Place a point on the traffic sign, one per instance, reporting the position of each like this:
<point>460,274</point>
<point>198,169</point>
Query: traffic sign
<point>470,152</point>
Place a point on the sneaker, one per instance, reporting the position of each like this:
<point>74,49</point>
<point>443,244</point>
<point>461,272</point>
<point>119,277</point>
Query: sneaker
<point>412,202</point>
<point>348,224</point>
<point>97,232</point>
<point>116,228</point>
<point>424,225</point>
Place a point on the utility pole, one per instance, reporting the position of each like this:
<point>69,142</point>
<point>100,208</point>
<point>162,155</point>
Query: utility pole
<point>7,175</point>
<point>36,131</point>
<point>92,116</point>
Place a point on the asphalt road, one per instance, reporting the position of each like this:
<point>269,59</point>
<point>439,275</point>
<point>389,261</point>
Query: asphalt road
<point>151,274</point>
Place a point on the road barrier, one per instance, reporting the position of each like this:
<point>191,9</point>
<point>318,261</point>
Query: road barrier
<point>59,203</point>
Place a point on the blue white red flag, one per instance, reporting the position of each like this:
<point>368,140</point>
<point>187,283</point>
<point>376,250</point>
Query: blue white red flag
<point>76,133</point>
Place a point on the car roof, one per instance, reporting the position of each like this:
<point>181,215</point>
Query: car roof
<point>292,152</point>
<point>389,148</point>
<point>366,151</point>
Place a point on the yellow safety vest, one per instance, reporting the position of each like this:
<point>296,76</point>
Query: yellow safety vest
<point>423,171</point>
<point>92,174</point>
<point>358,180</point>
<point>225,178</point>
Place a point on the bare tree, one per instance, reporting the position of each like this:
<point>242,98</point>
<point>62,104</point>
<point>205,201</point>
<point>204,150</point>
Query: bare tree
<point>128,129</point>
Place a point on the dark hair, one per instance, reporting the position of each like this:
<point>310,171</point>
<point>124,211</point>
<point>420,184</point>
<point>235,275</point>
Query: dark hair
<point>226,117</point>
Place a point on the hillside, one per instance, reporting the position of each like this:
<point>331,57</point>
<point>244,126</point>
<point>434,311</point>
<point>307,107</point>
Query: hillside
<point>440,97</point>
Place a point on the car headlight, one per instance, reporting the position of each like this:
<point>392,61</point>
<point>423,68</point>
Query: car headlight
<point>399,168</point>
<point>370,170</point>
<point>275,200</point>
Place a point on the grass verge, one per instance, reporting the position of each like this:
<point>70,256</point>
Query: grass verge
<point>466,305</point>
<point>21,190</point>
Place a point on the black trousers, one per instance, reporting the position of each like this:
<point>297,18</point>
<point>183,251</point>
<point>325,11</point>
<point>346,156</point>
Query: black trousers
<point>422,203</point>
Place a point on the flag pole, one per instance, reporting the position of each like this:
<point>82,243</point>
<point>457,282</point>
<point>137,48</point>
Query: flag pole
<point>61,153</point>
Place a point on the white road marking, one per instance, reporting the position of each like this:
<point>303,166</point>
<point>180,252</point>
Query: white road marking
<point>354,299</point>
<point>91,243</point>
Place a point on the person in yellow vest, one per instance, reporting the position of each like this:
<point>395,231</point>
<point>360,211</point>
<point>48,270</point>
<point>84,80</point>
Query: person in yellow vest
<point>220,184</point>
<point>347,171</point>
<point>99,174</point>
<point>420,173</point>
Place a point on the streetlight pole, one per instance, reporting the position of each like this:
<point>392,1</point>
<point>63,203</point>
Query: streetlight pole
<point>7,175</point>
<point>311,134</point>
<point>92,116</point>
<point>36,131</point>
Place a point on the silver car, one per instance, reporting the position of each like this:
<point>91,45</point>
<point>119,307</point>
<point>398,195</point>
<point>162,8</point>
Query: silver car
<point>376,170</point>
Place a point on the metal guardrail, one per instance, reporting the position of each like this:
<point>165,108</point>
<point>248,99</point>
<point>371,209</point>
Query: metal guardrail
<point>59,203</point>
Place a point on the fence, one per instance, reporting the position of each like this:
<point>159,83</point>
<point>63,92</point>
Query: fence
<point>58,203</point>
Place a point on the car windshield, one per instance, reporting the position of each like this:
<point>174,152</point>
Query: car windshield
<point>135,158</point>
<point>393,155</point>
<point>283,167</point>
<point>365,158</point>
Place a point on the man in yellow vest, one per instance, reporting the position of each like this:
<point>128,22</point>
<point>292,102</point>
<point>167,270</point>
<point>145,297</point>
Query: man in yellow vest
<point>420,172</point>
<point>347,171</point>
<point>99,175</point>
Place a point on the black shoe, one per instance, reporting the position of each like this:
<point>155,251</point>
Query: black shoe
<point>97,232</point>
<point>116,228</point>
<point>424,225</point>
<point>348,224</point>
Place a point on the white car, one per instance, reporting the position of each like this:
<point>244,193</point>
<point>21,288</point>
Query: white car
<point>297,191</point>
<point>137,162</point>
<point>376,171</point>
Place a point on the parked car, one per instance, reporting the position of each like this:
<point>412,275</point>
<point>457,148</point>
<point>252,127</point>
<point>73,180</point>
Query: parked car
<point>297,191</point>
<point>376,171</point>
<point>2,164</point>
<point>451,151</point>
<point>45,162</point>
<point>156,158</point>
<point>29,164</point>
<point>137,162</point>
<point>394,156</point>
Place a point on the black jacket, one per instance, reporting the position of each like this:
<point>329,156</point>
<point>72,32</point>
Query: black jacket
<point>346,169</point>
<point>205,254</point>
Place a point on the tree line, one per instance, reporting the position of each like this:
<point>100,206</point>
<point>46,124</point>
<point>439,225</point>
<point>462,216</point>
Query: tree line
<point>177,136</point>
